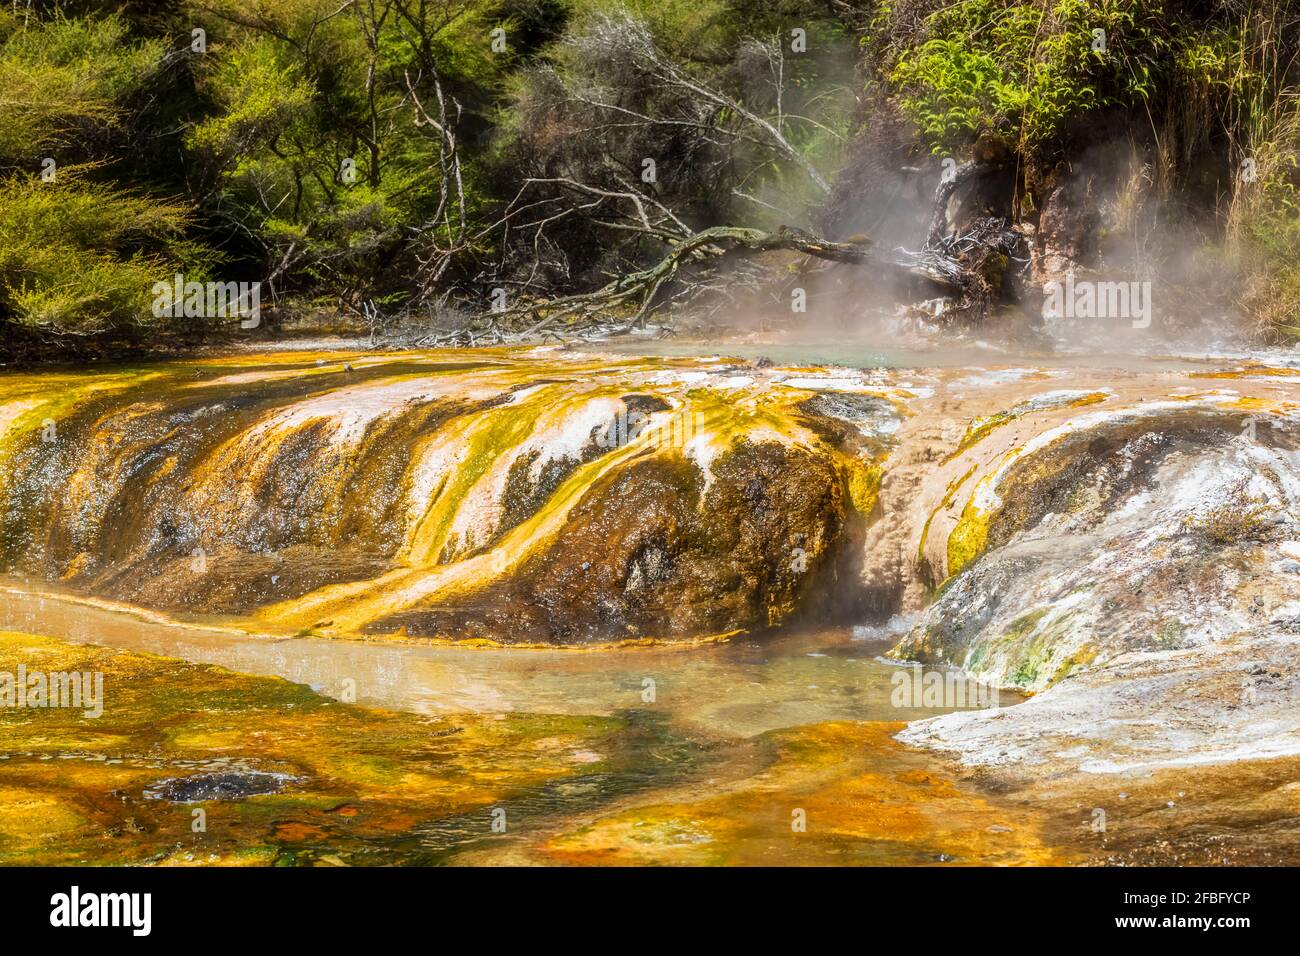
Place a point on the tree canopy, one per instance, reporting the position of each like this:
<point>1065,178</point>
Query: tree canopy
<point>423,156</point>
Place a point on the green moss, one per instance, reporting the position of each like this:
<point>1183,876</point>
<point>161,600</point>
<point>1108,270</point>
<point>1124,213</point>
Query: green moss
<point>1031,644</point>
<point>1168,635</point>
<point>1025,624</point>
<point>1025,674</point>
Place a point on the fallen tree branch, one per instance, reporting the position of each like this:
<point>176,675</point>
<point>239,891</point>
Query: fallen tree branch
<point>972,265</point>
<point>640,288</point>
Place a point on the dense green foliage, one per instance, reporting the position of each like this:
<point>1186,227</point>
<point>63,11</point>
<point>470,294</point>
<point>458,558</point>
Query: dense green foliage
<point>75,256</point>
<point>414,155</point>
<point>1268,230</point>
<point>1026,68</point>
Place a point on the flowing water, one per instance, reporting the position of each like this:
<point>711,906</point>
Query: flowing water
<point>701,721</point>
<point>741,688</point>
<point>535,606</point>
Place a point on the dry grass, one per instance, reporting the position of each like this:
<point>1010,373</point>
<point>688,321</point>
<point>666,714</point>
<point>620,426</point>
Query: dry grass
<point>1241,517</point>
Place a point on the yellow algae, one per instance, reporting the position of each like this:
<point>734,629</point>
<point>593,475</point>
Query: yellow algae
<point>1248,372</point>
<point>1091,399</point>
<point>351,776</point>
<point>949,495</point>
<point>836,793</point>
<point>968,539</point>
<point>1254,403</point>
<point>30,402</point>
<point>465,464</point>
<point>343,413</point>
<point>349,606</point>
<point>332,499</point>
<point>980,427</point>
<point>864,485</point>
<point>372,787</point>
<point>329,491</point>
<point>1080,658</point>
<point>969,536</point>
<point>754,415</point>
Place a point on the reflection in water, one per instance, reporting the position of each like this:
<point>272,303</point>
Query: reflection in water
<point>619,756</point>
<point>740,689</point>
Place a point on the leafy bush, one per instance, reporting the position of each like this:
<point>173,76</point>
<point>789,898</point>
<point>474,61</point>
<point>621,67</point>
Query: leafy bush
<point>383,152</point>
<point>77,257</point>
<point>321,143</point>
<point>1026,69</point>
<point>1238,518</point>
<point>81,259</point>
<point>1268,237</point>
<point>61,74</point>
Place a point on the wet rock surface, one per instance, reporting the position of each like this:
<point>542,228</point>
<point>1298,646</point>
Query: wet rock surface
<point>650,551</point>
<point>1107,541</point>
<point>1130,566</point>
<point>219,785</point>
<point>1125,545</point>
<point>1230,700</point>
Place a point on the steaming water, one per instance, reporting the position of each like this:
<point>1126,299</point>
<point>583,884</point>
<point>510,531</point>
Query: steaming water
<point>283,463</point>
<point>867,355</point>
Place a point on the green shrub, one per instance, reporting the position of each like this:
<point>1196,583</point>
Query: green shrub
<point>1026,68</point>
<point>80,259</point>
<point>1265,228</point>
<point>59,74</point>
<point>1238,518</point>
